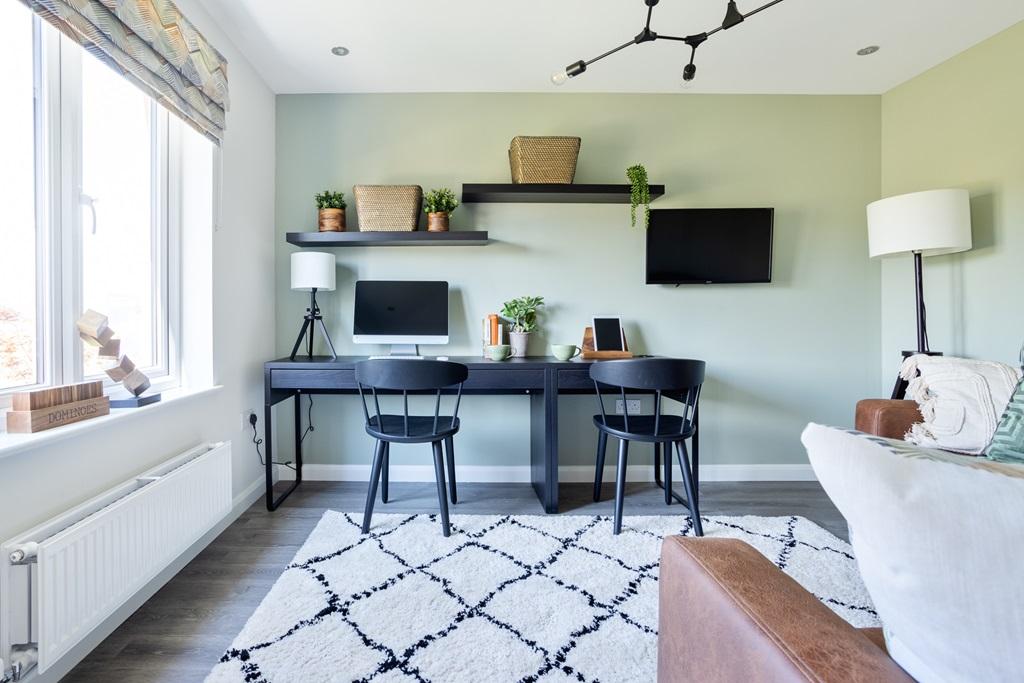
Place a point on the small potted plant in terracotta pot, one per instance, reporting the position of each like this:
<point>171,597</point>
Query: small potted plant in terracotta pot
<point>439,205</point>
<point>331,214</point>
<point>522,316</point>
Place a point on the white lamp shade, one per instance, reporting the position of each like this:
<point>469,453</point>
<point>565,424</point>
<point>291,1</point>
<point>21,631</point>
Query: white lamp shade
<point>312,270</point>
<point>933,222</point>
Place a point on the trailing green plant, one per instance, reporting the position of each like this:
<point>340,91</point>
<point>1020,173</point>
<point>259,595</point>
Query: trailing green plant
<point>330,200</point>
<point>442,200</point>
<point>522,312</point>
<point>639,193</point>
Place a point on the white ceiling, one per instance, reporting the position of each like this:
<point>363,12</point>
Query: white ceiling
<point>798,46</point>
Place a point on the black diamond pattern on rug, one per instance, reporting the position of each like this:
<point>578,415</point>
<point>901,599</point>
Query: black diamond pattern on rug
<point>509,598</point>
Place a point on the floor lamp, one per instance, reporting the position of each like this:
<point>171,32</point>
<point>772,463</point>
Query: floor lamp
<point>312,271</point>
<point>928,223</point>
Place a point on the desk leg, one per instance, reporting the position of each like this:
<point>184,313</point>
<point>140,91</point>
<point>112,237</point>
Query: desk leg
<point>268,436</point>
<point>268,452</point>
<point>298,437</point>
<point>544,442</point>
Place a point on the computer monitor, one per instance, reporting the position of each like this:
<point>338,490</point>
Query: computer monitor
<point>402,313</point>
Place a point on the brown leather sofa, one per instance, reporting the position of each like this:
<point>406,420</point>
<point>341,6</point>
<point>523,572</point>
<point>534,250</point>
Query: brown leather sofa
<point>886,418</point>
<point>728,615</point>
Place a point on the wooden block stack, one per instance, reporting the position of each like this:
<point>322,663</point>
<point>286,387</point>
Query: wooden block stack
<point>94,329</point>
<point>35,411</point>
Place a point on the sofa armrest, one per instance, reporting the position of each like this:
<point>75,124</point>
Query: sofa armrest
<point>887,418</point>
<point>728,614</point>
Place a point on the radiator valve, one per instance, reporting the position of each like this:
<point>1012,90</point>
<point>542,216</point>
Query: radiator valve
<point>24,553</point>
<point>23,659</point>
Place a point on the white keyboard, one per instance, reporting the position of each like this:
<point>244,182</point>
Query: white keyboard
<point>398,358</point>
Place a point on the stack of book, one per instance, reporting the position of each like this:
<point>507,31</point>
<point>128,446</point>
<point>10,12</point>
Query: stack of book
<point>34,411</point>
<point>493,332</point>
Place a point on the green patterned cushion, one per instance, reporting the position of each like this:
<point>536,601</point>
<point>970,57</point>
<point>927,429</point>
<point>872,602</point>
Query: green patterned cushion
<point>1008,443</point>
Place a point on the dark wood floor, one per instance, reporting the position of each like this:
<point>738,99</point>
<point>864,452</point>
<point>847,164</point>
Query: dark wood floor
<point>179,634</point>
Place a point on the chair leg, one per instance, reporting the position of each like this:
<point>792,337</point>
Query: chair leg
<point>385,469</point>
<point>668,471</point>
<point>442,497</point>
<point>449,454</point>
<point>602,445</point>
<point>620,485</point>
<point>695,466</point>
<point>378,457</point>
<point>691,490</point>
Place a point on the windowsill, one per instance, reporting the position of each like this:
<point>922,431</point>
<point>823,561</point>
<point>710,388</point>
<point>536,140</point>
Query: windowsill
<point>11,444</point>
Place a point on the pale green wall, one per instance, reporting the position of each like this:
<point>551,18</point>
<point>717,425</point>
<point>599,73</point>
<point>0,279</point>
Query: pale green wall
<point>805,347</point>
<point>961,124</point>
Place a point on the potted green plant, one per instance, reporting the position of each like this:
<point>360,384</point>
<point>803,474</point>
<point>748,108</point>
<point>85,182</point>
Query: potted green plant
<point>639,193</point>
<point>439,205</point>
<point>331,214</point>
<point>521,313</point>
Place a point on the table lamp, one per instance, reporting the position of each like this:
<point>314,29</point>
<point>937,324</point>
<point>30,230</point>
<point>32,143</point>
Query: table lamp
<point>311,271</point>
<point>930,223</point>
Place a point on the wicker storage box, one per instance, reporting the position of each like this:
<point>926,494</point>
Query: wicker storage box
<point>543,159</point>
<point>388,208</point>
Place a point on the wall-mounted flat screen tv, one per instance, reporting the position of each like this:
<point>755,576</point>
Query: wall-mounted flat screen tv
<point>709,246</point>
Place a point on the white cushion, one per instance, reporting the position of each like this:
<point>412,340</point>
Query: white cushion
<point>939,540</point>
<point>961,400</point>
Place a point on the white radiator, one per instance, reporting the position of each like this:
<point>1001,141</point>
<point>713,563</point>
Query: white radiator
<point>61,579</point>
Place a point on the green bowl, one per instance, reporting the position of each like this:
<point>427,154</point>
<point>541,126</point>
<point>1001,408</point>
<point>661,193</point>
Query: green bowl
<point>565,352</point>
<point>499,351</point>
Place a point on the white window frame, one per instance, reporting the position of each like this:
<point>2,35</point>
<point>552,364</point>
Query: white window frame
<point>59,224</point>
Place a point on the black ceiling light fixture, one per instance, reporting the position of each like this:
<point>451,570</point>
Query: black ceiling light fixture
<point>733,16</point>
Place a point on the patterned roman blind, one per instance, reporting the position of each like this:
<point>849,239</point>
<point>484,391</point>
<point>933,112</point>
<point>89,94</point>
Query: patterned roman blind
<point>153,45</point>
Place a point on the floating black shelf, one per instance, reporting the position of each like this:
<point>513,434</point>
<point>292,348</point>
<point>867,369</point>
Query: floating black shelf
<point>419,238</point>
<point>538,193</point>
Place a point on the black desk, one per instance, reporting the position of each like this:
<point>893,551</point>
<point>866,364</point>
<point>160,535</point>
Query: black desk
<point>540,378</point>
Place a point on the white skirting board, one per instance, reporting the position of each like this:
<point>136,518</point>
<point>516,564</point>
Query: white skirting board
<point>569,474</point>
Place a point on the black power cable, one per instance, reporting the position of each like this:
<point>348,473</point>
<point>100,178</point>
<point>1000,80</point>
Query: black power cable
<point>257,441</point>
<point>309,420</point>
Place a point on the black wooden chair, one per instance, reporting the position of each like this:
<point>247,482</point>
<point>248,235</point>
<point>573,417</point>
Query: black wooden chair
<point>678,379</point>
<point>407,375</point>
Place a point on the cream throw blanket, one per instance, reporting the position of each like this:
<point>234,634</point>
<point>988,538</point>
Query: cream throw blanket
<point>961,400</point>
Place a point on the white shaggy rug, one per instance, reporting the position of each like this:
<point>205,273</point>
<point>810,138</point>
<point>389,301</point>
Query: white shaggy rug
<point>513,598</point>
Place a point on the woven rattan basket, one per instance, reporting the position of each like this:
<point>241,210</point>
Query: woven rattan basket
<point>543,159</point>
<point>388,208</point>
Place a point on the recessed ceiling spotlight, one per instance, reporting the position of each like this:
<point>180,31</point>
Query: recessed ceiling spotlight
<point>869,50</point>
<point>340,51</point>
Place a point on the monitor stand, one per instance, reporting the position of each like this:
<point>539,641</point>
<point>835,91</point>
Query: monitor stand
<point>402,351</point>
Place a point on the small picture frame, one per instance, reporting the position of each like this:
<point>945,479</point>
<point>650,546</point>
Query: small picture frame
<point>608,334</point>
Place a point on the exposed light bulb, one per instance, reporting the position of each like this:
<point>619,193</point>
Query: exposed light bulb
<point>560,77</point>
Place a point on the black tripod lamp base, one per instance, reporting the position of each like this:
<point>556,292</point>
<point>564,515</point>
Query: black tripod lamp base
<point>310,322</point>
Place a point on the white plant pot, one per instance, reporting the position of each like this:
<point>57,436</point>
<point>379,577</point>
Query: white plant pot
<point>518,341</point>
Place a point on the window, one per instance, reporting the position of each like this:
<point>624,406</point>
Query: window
<point>121,223</point>
<point>89,179</point>
<point>20,364</point>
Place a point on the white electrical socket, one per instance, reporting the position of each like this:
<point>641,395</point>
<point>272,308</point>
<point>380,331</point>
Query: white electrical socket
<point>245,419</point>
<point>632,404</point>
